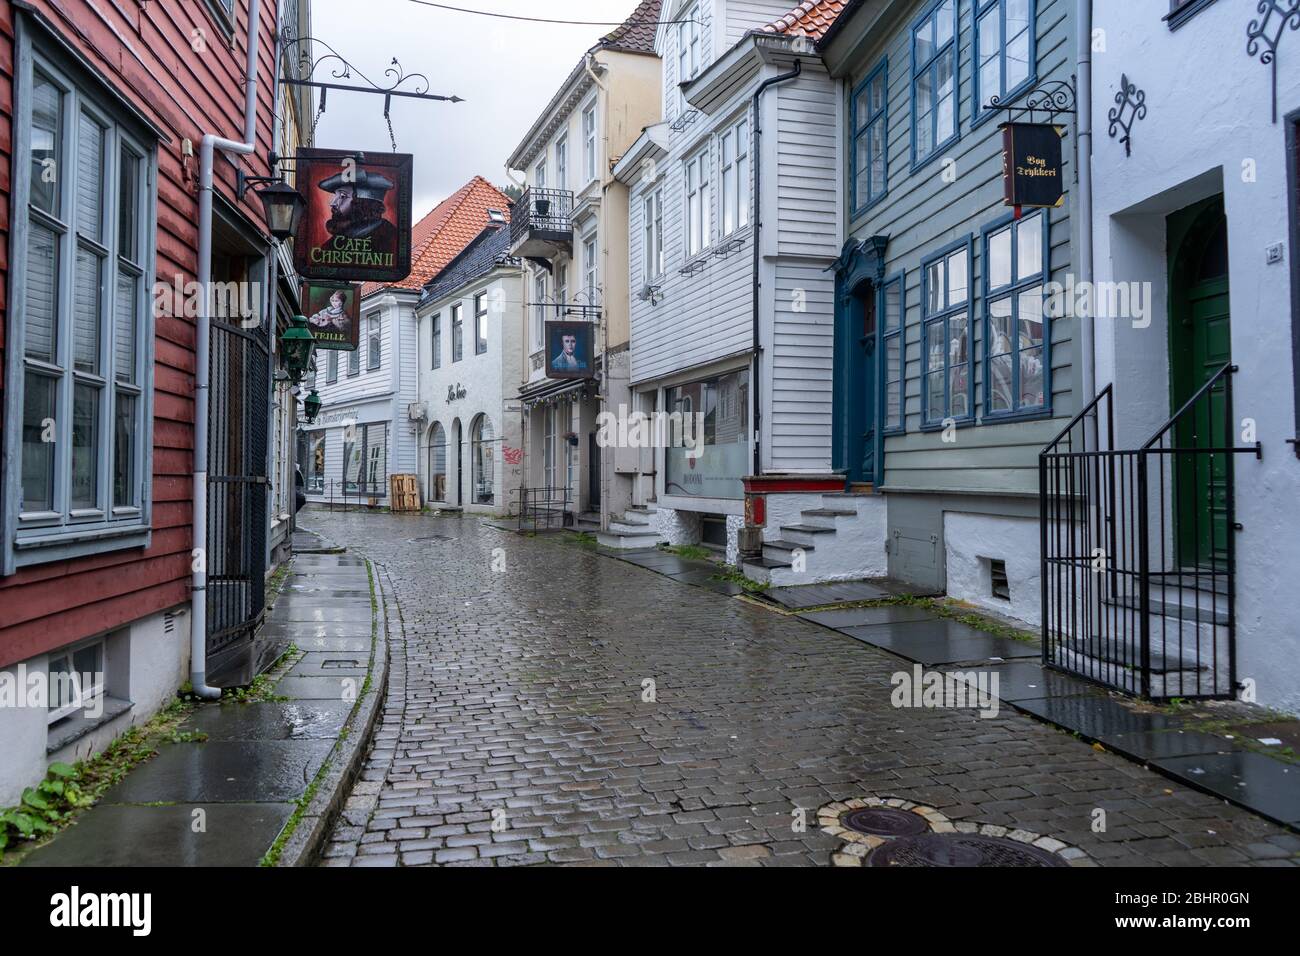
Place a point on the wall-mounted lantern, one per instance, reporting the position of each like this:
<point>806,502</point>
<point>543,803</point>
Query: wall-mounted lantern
<point>297,344</point>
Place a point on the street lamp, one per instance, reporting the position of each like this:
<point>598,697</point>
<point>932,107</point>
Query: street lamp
<point>297,344</point>
<point>311,407</point>
<point>283,204</point>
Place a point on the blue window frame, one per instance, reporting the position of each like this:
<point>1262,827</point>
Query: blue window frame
<point>1006,51</point>
<point>1017,339</point>
<point>934,81</point>
<point>893,342</point>
<point>947,359</point>
<point>870,149</point>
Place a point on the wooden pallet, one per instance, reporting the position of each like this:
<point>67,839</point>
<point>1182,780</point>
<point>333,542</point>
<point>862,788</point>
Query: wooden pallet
<point>404,492</point>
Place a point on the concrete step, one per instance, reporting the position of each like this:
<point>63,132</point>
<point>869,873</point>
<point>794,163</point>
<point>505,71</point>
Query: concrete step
<point>807,528</point>
<point>828,513</point>
<point>629,541</point>
<point>781,544</point>
<point>631,527</point>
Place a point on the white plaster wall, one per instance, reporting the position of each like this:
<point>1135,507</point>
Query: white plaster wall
<point>1209,116</point>
<point>144,664</point>
<point>971,541</point>
<point>678,527</point>
<point>734,524</point>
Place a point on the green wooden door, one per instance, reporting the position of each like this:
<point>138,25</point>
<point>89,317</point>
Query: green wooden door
<point>1200,345</point>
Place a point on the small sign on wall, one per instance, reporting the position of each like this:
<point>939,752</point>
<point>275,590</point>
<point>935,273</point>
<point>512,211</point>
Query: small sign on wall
<point>333,311</point>
<point>1031,165</point>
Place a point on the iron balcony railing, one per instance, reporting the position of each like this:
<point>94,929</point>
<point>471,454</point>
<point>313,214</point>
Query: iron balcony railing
<point>1138,567</point>
<point>542,213</point>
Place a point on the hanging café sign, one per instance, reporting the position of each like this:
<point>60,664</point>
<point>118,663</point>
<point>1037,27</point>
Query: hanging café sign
<point>1031,165</point>
<point>357,225</point>
<point>333,311</point>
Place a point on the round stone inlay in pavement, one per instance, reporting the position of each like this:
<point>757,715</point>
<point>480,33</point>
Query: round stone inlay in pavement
<point>960,850</point>
<point>890,831</point>
<point>885,822</point>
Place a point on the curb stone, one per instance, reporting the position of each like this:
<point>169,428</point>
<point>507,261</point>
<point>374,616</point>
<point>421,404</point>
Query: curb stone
<point>303,848</point>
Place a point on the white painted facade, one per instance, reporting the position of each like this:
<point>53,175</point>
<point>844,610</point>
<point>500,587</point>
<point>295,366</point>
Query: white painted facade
<point>376,395</point>
<point>471,445</point>
<point>693,304</point>
<point>1208,130</point>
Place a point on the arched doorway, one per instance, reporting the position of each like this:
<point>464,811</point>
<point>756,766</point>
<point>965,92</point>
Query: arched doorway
<point>1200,344</point>
<point>437,474</point>
<point>482,458</point>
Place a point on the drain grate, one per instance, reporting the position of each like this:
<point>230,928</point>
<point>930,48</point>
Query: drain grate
<point>885,822</point>
<point>960,850</point>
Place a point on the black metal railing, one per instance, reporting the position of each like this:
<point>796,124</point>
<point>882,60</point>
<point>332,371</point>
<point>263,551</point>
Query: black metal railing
<point>548,211</point>
<point>545,509</point>
<point>1138,561</point>
<point>353,494</point>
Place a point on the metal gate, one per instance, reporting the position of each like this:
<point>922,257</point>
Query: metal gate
<point>238,423</point>
<point>1136,594</point>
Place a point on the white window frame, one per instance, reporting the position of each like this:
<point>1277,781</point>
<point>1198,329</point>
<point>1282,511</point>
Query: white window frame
<point>689,47</point>
<point>374,341</point>
<point>60,533</point>
<point>589,140</point>
<point>539,173</point>
<point>539,310</point>
<point>652,252</point>
<point>562,162</point>
<point>481,323</point>
<point>82,697</point>
<point>457,333</point>
<point>733,160</point>
<point>698,218</point>
<point>591,268</point>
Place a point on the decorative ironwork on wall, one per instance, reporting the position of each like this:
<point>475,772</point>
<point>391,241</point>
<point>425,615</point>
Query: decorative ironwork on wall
<point>1054,97</point>
<point>1264,35</point>
<point>1131,106</point>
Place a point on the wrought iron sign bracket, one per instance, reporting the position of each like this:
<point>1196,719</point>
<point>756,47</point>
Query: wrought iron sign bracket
<point>1054,98</point>
<point>1264,35</point>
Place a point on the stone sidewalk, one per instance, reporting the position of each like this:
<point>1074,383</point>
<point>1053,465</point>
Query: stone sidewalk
<point>240,773</point>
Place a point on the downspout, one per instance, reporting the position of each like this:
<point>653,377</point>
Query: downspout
<point>203,358</point>
<point>755,382</point>
<point>1087,329</point>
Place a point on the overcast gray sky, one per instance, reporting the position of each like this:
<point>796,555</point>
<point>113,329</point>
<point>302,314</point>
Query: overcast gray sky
<point>507,71</point>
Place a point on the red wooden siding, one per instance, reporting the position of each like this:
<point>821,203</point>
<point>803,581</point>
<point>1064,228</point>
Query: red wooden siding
<point>144,51</point>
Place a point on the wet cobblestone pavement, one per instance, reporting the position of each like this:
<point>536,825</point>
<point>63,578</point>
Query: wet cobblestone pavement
<point>515,730</point>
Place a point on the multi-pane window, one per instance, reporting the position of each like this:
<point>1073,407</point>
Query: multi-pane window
<point>562,163</point>
<point>76,679</point>
<point>946,385</point>
<point>1004,49</point>
<point>688,49</point>
<point>457,333</point>
<point>81,309</point>
<point>354,362</point>
<point>539,174</point>
<point>374,330</point>
<point>653,239</point>
<point>1015,329</point>
<point>934,80</point>
<point>892,312</point>
<point>589,141</point>
<point>539,309</point>
<point>870,139</point>
<point>436,343</point>
<point>332,368</point>
<point>365,459</point>
<point>591,269</point>
<point>698,207</point>
<point>480,323</point>
<point>733,147</point>
<point>561,288</point>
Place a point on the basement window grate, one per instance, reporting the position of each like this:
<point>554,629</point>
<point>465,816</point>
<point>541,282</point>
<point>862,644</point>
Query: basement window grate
<point>1001,589</point>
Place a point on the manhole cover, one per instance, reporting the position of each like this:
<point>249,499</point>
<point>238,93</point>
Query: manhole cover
<point>960,849</point>
<point>885,822</point>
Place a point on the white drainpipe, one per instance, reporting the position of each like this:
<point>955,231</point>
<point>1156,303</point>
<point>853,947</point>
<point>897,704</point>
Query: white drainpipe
<point>203,358</point>
<point>1087,332</point>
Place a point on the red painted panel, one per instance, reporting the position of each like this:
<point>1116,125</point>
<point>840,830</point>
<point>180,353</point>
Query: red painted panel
<point>144,52</point>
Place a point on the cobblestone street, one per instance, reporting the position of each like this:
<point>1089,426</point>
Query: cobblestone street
<point>520,690</point>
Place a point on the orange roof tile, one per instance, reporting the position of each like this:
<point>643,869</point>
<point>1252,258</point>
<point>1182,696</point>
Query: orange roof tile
<point>811,18</point>
<point>447,229</point>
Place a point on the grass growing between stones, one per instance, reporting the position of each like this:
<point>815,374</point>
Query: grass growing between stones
<point>692,552</point>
